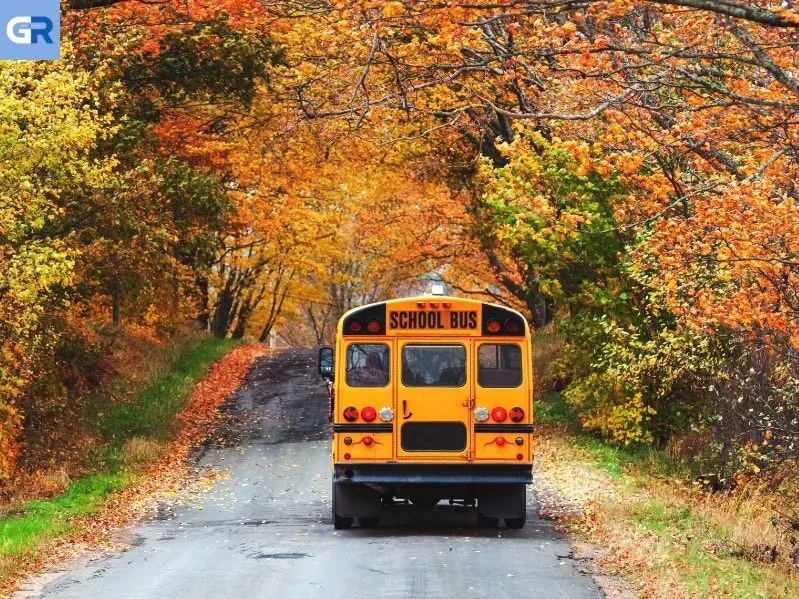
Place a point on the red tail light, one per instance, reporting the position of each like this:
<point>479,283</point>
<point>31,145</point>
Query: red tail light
<point>500,441</point>
<point>351,414</point>
<point>512,326</point>
<point>493,326</point>
<point>519,456</point>
<point>347,456</point>
<point>420,304</point>
<point>373,326</point>
<point>368,441</point>
<point>499,414</point>
<point>446,305</point>
<point>355,326</point>
<point>434,305</point>
<point>516,414</point>
<point>368,414</point>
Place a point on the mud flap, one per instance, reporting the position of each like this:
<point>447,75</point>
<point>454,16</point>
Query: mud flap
<point>502,501</point>
<point>356,501</point>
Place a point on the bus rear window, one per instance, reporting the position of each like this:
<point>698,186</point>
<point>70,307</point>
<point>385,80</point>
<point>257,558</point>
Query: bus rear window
<point>367,365</point>
<point>433,366</point>
<point>499,365</point>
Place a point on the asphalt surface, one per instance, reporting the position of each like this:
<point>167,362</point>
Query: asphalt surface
<point>266,531</point>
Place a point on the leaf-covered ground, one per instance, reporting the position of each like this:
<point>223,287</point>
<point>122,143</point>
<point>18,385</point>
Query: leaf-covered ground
<point>81,521</point>
<point>660,533</point>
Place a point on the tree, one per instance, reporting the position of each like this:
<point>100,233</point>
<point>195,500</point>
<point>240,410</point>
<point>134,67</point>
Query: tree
<point>49,129</point>
<point>690,112</point>
<point>102,220</point>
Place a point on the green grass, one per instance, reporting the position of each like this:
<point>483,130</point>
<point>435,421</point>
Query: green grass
<point>705,559</point>
<point>700,555</point>
<point>616,460</point>
<point>49,519</point>
<point>152,411</point>
<point>150,414</point>
<point>554,409</point>
<point>655,517</point>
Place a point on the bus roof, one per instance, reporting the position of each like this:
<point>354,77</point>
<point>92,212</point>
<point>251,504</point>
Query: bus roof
<point>432,315</point>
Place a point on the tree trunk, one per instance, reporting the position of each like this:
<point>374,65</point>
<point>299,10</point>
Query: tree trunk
<point>265,333</point>
<point>203,317</point>
<point>241,322</point>
<point>221,320</point>
<point>540,311</point>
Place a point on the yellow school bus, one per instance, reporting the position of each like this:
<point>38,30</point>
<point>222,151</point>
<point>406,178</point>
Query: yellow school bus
<point>431,400</point>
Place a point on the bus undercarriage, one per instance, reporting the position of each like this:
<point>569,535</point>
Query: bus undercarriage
<point>497,491</point>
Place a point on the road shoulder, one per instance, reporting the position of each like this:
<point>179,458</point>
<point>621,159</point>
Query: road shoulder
<point>172,478</point>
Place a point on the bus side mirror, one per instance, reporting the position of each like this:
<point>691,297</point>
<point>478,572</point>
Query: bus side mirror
<point>326,362</point>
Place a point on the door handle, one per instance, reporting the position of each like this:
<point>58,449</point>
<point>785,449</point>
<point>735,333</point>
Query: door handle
<point>405,414</point>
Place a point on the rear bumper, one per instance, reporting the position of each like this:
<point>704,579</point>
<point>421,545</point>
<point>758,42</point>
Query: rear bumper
<point>432,474</point>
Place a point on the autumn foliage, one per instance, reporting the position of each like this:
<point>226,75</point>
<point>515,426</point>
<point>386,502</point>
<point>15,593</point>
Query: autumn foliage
<point>632,178</point>
<point>622,170</point>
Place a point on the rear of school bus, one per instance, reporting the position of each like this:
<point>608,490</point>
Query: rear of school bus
<point>432,401</point>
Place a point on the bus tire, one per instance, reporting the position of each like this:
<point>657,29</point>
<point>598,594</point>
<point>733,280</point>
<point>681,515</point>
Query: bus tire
<point>519,521</point>
<point>340,522</point>
<point>516,523</point>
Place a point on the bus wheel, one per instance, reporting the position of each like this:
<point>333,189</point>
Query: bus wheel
<point>486,521</point>
<point>368,521</point>
<point>521,501</point>
<point>340,522</point>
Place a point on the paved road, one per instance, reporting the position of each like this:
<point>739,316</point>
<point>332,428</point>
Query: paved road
<point>266,530</point>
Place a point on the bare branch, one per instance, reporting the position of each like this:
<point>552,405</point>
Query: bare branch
<point>738,10</point>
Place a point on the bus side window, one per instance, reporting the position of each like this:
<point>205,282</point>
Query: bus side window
<point>499,365</point>
<point>367,365</point>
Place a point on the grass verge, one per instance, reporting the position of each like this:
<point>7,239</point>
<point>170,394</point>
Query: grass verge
<point>49,519</point>
<point>148,418</point>
<point>152,411</point>
<point>658,530</point>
